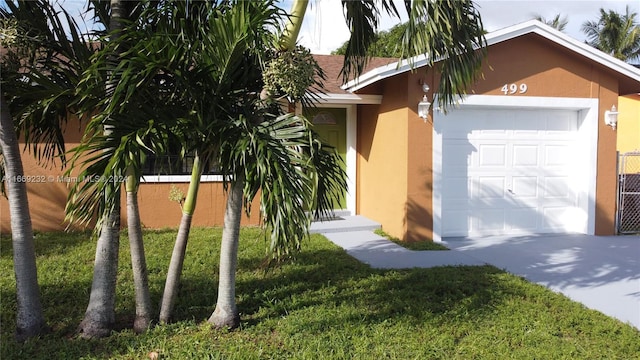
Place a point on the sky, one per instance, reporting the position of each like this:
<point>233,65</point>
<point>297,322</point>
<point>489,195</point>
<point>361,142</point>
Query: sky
<point>324,28</point>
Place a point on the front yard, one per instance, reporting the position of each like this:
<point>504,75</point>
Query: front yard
<point>321,305</point>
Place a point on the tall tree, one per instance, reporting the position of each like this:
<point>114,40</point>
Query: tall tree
<point>387,43</point>
<point>138,124</point>
<point>213,72</point>
<point>30,319</point>
<point>99,317</point>
<point>259,150</point>
<point>558,22</point>
<point>40,70</point>
<point>615,34</point>
<point>144,308</point>
<point>172,281</point>
<point>448,30</point>
<point>451,30</point>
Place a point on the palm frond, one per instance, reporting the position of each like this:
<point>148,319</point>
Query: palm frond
<point>615,34</point>
<point>449,32</point>
<point>283,161</point>
<point>362,19</point>
<point>41,72</point>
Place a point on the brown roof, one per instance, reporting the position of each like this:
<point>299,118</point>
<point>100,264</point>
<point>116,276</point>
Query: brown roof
<point>331,64</point>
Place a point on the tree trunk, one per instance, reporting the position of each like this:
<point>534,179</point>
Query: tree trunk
<point>29,318</point>
<point>175,269</point>
<point>100,315</point>
<point>226,313</point>
<point>292,29</point>
<point>179,249</point>
<point>144,309</point>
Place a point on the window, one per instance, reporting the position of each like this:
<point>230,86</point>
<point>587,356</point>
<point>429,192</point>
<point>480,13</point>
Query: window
<point>176,168</point>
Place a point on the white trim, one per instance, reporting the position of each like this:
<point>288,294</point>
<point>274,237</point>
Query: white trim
<point>495,37</point>
<point>588,143</point>
<point>349,99</point>
<point>526,102</point>
<point>352,154</point>
<point>153,179</point>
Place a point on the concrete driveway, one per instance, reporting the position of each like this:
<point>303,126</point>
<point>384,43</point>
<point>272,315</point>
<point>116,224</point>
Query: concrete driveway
<point>602,272</point>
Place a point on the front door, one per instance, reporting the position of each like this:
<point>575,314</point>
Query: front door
<point>331,125</point>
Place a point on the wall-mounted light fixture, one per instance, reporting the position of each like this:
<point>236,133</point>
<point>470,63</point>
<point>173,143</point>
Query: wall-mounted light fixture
<point>611,117</point>
<point>423,106</point>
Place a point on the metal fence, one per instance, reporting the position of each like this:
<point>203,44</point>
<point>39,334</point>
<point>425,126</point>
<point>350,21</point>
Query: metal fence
<point>628,221</point>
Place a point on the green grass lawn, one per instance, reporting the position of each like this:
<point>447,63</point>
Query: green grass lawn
<point>322,305</point>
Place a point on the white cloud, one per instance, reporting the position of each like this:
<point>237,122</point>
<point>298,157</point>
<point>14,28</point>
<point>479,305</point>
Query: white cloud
<point>497,14</point>
<point>324,29</point>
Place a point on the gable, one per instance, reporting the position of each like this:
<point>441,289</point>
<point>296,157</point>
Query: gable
<point>628,77</point>
<point>539,68</point>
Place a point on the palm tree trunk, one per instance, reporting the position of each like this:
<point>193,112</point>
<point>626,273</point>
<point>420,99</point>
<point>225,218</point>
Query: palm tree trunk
<point>179,249</point>
<point>144,309</point>
<point>100,315</point>
<point>29,319</point>
<point>292,30</point>
<point>226,313</point>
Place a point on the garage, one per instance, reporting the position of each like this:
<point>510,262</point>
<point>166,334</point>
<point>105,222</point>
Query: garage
<point>501,170</point>
<point>529,148</point>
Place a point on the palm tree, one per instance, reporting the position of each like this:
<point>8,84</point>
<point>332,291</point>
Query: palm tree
<point>40,70</point>
<point>448,30</point>
<point>136,124</point>
<point>258,149</point>
<point>387,43</point>
<point>434,38</point>
<point>559,22</point>
<point>216,93</point>
<point>30,319</point>
<point>100,314</point>
<point>172,281</point>
<point>615,34</point>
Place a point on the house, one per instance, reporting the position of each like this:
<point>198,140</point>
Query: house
<point>526,151</point>
<point>47,185</point>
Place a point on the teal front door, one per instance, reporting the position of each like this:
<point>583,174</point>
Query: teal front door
<point>331,125</point>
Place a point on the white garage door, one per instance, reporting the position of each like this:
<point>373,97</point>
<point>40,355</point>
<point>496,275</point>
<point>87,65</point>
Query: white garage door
<point>509,172</point>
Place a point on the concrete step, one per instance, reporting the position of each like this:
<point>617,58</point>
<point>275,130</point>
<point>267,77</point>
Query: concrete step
<point>344,224</point>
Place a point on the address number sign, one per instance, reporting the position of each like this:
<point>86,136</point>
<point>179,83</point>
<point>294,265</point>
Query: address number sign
<point>510,89</point>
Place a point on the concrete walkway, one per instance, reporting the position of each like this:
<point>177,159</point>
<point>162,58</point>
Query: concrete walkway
<point>601,272</point>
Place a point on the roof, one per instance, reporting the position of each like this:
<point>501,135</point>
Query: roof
<point>334,94</point>
<point>332,64</point>
<point>498,36</point>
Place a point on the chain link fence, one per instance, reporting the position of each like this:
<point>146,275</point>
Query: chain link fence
<point>629,193</point>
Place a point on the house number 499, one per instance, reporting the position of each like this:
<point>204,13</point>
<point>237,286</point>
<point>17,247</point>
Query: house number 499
<point>510,89</point>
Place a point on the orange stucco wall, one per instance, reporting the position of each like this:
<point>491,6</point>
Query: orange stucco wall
<point>394,162</point>
<point>419,214</point>
<point>548,70</point>
<point>47,194</point>
<point>382,150</point>
<point>629,123</point>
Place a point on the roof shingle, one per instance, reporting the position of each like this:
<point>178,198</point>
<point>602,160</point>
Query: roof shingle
<point>332,64</point>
